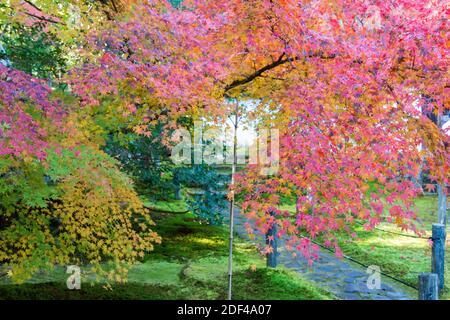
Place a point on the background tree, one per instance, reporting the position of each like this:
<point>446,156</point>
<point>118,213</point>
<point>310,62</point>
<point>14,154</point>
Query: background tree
<point>62,199</point>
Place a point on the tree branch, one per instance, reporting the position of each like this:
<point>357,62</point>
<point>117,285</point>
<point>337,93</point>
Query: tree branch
<point>42,18</point>
<point>33,5</point>
<point>280,61</point>
<point>116,10</point>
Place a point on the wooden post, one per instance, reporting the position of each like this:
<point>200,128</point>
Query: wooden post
<point>442,204</point>
<point>272,256</point>
<point>438,253</point>
<point>177,191</point>
<point>428,286</point>
<point>441,188</point>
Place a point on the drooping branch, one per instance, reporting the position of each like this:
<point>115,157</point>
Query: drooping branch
<point>43,18</point>
<point>40,17</point>
<point>280,61</point>
<point>33,5</point>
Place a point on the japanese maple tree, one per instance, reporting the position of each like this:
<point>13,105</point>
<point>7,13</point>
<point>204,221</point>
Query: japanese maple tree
<point>62,200</point>
<point>346,83</point>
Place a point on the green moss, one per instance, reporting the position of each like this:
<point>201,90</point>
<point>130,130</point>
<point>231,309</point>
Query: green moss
<point>191,263</point>
<point>162,205</point>
<point>427,207</point>
<point>156,272</point>
<point>276,284</point>
<point>212,269</point>
<point>57,290</point>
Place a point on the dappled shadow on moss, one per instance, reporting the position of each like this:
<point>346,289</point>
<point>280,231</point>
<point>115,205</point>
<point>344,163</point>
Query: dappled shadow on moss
<point>184,238</point>
<point>58,291</point>
<point>168,225</point>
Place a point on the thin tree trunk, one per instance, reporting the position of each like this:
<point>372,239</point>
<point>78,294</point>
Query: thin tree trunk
<point>233,170</point>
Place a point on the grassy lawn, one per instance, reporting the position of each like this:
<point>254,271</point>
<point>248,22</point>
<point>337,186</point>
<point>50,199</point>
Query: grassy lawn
<point>397,255</point>
<point>169,206</point>
<point>191,263</point>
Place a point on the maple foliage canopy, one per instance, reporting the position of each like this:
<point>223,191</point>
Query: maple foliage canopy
<point>22,133</point>
<point>347,82</point>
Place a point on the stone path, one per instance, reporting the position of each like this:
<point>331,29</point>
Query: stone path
<point>347,280</point>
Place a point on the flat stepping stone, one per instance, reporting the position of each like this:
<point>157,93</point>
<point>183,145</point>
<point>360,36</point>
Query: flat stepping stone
<point>351,296</point>
<point>356,274</point>
<point>386,287</point>
<point>349,280</point>
<point>292,265</point>
<point>366,290</point>
<point>380,298</point>
<point>395,295</point>
<point>351,288</point>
